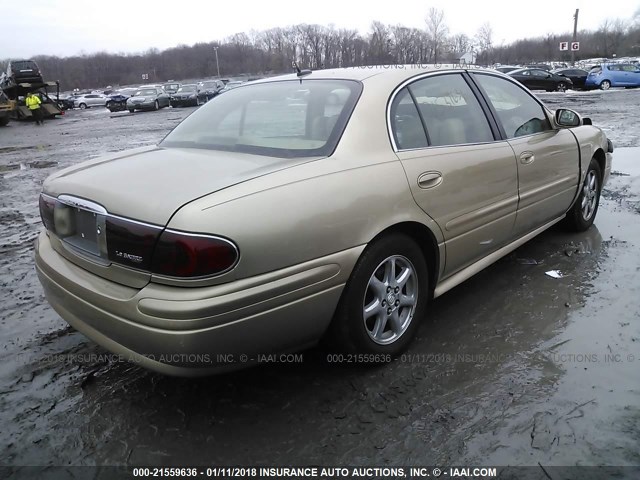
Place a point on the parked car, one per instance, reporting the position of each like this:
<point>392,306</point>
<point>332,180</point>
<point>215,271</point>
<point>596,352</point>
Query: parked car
<point>539,66</point>
<point>117,101</point>
<point>211,88</point>
<point>90,100</point>
<point>610,75</point>
<point>186,255</point>
<point>171,87</point>
<point>537,79</point>
<point>188,95</point>
<point>506,68</point>
<point>66,102</point>
<point>24,71</point>
<point>578,76</point>
<point>231,85</point>
<point>148,98</point>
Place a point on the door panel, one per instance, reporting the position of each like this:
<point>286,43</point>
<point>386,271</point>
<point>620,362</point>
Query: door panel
<point>548,173</point>
<point>472,194</point>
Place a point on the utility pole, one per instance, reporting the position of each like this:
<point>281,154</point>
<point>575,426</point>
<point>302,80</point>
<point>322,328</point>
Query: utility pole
<point>217,63</point>
<point>575,36</point>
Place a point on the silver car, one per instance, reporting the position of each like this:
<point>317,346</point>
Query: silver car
<point>148,98</point>
<point>90,100</point>
<point>262,224</point>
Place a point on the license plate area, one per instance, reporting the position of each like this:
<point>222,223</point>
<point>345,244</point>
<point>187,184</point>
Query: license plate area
<point>80,224</point>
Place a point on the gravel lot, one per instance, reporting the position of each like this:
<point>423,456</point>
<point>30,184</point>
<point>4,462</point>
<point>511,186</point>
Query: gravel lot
<point>513,367</point>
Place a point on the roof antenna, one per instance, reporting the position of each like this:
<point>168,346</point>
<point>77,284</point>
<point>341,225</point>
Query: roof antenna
<point>300,73</point>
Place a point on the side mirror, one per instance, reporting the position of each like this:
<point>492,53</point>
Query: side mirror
<point>567,118</point>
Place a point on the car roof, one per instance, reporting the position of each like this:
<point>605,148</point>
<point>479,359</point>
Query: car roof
<point>393,74</point>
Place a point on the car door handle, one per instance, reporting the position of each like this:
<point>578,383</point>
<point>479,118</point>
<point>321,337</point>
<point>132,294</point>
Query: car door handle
<point>429,179</point>
<point>527,157</point>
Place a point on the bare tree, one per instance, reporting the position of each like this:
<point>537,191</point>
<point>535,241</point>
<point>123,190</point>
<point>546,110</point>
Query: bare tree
<point>436,31</point>
<point>461,43</point>
<point>484,40</point>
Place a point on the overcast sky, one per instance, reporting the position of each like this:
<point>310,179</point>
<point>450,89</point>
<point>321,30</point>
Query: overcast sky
<point>69,27</point>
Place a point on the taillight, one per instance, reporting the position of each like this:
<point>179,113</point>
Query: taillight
<point>47,206</point>
<point>181,254</point>
<point>131,243</point>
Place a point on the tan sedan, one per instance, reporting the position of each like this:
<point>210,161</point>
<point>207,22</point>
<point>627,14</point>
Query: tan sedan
<point>329,204</point>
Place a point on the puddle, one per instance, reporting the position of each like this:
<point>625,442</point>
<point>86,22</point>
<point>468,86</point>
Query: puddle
<point>26,166</point>
<point>26,147</point>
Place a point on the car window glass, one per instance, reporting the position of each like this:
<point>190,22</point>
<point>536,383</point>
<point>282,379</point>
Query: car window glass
<point>406,126</point>
<point>517,110</point>
<point>450,111</point>
<point>272,119</point>
<point>629,68</point>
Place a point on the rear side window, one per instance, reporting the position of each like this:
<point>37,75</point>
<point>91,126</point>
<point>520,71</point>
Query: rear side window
<point>451,111</point>
<point>517,110</point>
<point>272,119</point>
<point>406,125</point>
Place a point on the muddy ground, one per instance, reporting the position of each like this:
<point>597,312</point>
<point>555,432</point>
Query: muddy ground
<point>511,368</point>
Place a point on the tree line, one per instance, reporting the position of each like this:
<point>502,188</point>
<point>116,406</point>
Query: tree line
<point>315,46</point>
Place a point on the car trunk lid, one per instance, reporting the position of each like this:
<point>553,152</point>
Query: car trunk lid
<point>147,186</point>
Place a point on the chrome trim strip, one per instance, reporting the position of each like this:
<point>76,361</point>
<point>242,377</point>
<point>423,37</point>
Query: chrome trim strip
<point>71,201</point>
<point>82,204</point>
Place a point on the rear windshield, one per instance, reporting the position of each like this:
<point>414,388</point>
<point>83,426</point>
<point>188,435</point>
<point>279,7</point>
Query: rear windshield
<point>272,119</point>
<point>17,66</point>
<point>147,92</point>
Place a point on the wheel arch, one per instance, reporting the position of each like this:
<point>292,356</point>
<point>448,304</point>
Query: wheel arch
<point>427,242</point>
<point>601,158</point>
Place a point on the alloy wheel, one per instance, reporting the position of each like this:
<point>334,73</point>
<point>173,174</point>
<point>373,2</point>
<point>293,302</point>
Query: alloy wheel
<point>390,299</point>
<point>589,195</point>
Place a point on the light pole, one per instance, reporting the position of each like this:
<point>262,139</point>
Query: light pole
<point>217,63</point>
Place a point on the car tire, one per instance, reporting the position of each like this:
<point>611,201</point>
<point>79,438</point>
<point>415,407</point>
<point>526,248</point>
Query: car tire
<point>581,216</point>
<point>605,85</point>
<point>131,110</point>
<point>371,286</point>
<point>4,121</point>
<point>561,87</point>
<point>82,106</point>
<point>156,105</point>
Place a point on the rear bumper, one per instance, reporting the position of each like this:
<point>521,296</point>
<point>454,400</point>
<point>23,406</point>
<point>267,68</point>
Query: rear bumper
<point>141,106</point>
<point>198,331</point>
<point>184,103</point>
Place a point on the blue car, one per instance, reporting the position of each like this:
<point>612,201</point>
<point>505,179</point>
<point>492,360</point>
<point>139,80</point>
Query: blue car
<point>610,75</point>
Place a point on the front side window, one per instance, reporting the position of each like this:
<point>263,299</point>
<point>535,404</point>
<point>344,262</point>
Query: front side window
<point>517,110</point>
<point>271,119</point>
<point>450,111</point>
